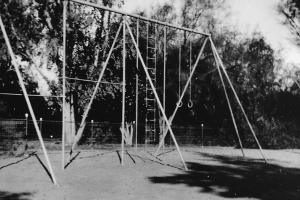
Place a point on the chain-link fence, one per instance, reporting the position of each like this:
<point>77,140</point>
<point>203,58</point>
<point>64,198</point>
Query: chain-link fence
<point>12,134</point>
<point>18,131</point>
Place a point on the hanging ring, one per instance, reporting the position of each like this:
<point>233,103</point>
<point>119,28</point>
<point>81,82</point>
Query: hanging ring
<point>180,104</point>
<point>190,104</point>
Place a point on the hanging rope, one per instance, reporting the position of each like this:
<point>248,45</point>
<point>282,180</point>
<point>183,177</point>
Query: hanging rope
<point>179,78</point>
<point>190,103</point>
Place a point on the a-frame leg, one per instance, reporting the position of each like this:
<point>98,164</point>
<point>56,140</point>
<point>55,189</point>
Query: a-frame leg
<point>182,95</point>
<point>156,95</point>
<point>236,97</point>
<point>37,129</point>
<point>229,105</point>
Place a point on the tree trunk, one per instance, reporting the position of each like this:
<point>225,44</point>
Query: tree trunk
<point>70,126</point>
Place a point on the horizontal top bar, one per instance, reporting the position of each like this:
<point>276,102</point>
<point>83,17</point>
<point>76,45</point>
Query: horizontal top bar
<point>31,95</point>
<point>92,81</point>
<point>139,17</point>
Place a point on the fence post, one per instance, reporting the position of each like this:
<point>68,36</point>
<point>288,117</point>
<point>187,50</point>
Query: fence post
<point>41,125</point>
<point>92,132</point>
<point>202,127</point>
<point>26,125</point>
<point>26,131</point>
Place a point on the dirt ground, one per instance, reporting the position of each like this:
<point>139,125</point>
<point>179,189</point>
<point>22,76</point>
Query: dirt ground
<point>214,173</point>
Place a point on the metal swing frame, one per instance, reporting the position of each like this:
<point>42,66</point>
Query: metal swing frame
<point>161,105</point>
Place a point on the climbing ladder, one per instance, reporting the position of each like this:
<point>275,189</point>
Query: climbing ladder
<point>151,57</point>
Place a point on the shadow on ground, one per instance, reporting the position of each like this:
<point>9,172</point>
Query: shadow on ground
<point>15,196</point>
<point>18,161</point>
<point>233,178</point>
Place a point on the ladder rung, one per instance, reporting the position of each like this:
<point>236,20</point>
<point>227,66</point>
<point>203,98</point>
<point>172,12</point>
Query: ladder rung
<point>154,84</point>
<point>152,124</point>
<point>148,99</point>
<point>151,120</point>
<point>153,81</point>
<point>149,88</point>
<point>150,113</point>
<point>150,130</point>
<point>150,127</point>
<point>152,48</point>
<point>151,69</point>
<point>151,58</point>
<point>151,103</point>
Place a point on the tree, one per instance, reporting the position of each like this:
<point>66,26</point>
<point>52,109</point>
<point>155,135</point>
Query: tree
<point>27,30</point>
<point>35,31</point>
<point>249,62</point>
<point>290,9</point>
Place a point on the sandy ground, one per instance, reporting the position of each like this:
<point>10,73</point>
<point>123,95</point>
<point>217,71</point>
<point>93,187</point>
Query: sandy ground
<point>214,173</point>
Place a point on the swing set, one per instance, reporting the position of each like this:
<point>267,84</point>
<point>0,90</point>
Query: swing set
<point>125,31</point>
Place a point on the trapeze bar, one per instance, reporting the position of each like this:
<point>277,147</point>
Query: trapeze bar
<point>30,95</point>
<point>139,17</point>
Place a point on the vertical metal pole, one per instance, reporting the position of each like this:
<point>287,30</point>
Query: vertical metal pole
<point>65,4</point>
<point>124,87</point>
<point>202,127</point>
<point>147,65</point>
<point>164,82</point>
<point>22,85</point>
<point>137,87</point>
<point>155,82</point>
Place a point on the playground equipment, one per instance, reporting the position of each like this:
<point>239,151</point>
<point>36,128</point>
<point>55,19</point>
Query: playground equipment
<point>150,68</point>
<point>148,65</point>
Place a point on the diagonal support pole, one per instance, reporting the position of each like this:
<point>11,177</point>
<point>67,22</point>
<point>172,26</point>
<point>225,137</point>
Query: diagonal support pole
<point>156,95</point>
<point>229,105</point>
<point>237,98</point>
<point>37,129</point>
<point>182,95</point>
<point>83,120</point>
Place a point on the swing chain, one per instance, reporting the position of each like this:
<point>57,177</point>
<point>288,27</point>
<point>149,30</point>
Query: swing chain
<point>179,104</point>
